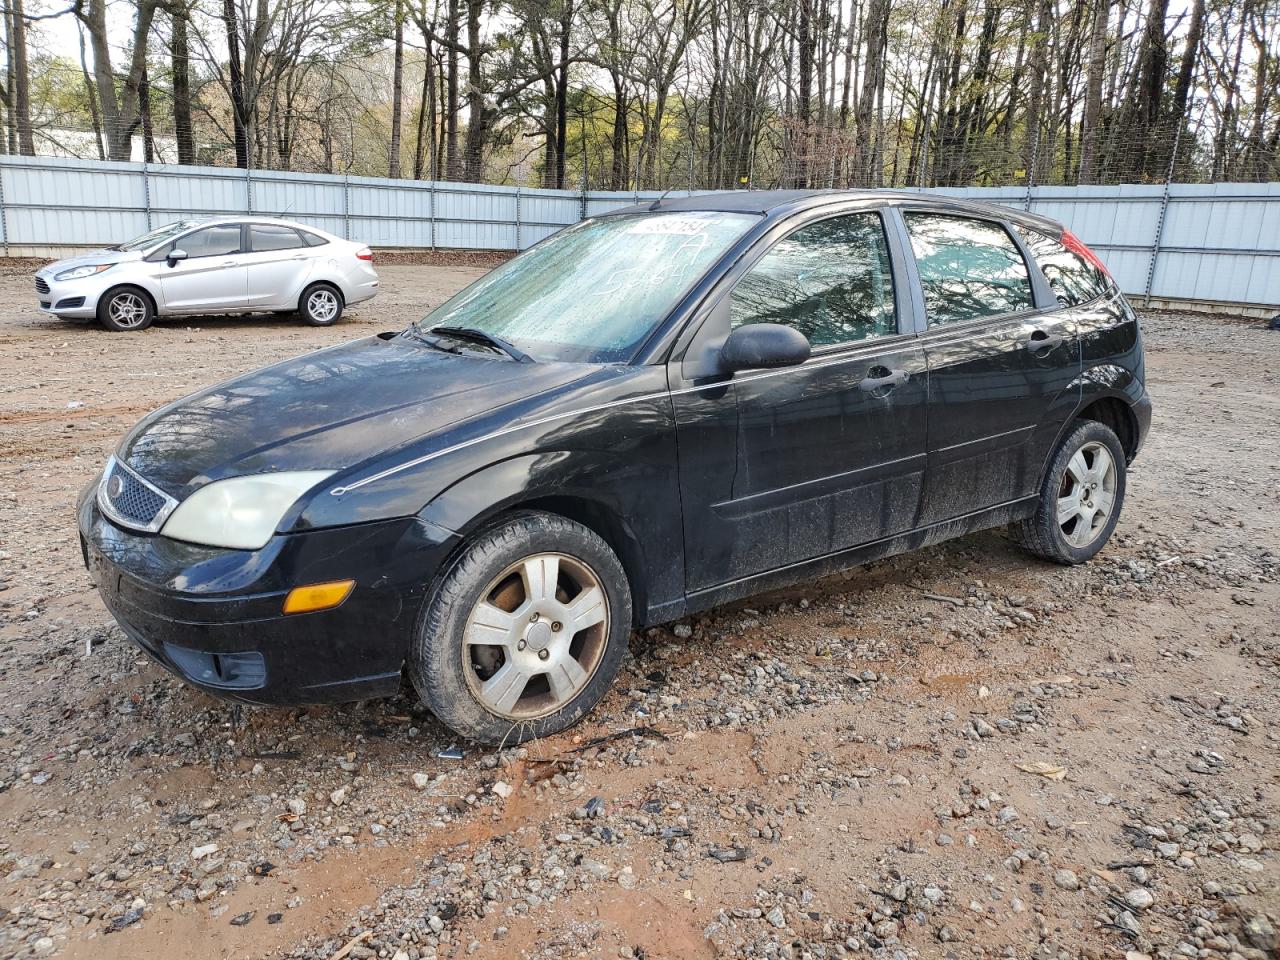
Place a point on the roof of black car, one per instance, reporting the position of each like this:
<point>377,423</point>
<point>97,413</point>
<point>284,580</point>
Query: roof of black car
<point>771,201</point>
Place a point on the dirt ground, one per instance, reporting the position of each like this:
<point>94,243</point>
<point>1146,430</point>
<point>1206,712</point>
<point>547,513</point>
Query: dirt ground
<point>846,769</point>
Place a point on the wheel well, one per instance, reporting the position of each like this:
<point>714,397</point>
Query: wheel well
<point>1115,413</point>
<point>608,528</point>
<point>110,291</point>
<point>321,283</point>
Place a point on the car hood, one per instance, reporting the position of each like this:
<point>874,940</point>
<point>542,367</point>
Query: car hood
<point>327,411</point>
<point>93,256</point>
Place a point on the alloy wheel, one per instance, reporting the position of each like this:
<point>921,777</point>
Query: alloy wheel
<point>322,306</point>
<point>1087,495</point>
<point>536,636</point>
<point>127,310</point>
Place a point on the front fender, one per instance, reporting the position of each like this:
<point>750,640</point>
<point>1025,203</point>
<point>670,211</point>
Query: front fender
<point>632,502</point>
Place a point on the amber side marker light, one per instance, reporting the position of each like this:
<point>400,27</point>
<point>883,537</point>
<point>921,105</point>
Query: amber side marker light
<point>318,596</point>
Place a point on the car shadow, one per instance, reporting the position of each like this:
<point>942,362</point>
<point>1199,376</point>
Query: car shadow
<point>226,321</point>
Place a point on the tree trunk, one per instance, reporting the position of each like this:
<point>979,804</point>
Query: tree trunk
<point>6,94</point>
<point>179,57</point>
<point>804,96</point>
<point>1187,70</point>
<point>144,112</point>
<point>397,90</point>
<point>618,178</point>
<point>239,116</point>
<point>119,99</point>
<point>1152,69</point>
<point>21,91</point>
<point>877,19</point>
<point>1038,63</point>
<point>91,96</point>
<point>452,163</point>
<point>478,117</point>
<point>425,145</point>
<point>562,93</point>
<point>1093,92</point>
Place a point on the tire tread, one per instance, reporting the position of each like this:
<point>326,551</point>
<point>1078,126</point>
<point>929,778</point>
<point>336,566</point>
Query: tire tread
<point>507,536</point>
<point>1039,534</point>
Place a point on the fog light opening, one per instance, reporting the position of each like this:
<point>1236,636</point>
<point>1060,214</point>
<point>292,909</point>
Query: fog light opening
<point>318,596</point>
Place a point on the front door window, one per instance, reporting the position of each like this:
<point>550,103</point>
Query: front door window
<point>831,280</point>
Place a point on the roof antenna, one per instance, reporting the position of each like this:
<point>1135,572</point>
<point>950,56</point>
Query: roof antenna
<point>657,203</point>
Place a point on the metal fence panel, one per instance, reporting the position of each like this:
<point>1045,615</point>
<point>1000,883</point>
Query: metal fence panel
<point>1211,242</point>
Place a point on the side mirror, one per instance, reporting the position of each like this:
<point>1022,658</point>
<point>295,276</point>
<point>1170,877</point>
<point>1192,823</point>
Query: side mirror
<point>762,346</point>
<point>175,256</point>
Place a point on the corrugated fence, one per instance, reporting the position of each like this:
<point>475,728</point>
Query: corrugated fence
<point>1213,243</point>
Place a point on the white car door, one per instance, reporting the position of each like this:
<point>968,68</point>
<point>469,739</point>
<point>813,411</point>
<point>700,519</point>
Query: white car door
<point>211,278</point>
<point>279,264</point>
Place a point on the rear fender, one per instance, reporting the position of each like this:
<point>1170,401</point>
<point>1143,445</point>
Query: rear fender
<point>1099,382</point>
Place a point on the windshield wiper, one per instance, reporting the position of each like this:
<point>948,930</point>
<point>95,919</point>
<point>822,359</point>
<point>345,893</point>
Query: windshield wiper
<point>479,336</point>
<point>421,336</point>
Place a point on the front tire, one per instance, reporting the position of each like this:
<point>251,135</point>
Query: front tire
<point>126,310</point>
<point>524,632</point>
<point>320,305</point>
<point>1080,498</point>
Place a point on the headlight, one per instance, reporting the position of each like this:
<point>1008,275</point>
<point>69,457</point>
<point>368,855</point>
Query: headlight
<point>240,513</point>
<point>77,273</point>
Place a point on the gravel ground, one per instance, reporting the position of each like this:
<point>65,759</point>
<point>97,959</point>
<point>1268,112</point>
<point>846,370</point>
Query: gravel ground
<point>957,753</point>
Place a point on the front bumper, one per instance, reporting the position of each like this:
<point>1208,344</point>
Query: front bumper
<point>213,617</point>
<point>70,298</point>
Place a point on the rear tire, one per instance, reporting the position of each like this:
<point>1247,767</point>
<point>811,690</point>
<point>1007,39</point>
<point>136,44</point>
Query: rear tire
<point>320,305</point>
<point>1080,498</point>
<point>126,310</point>
<point>524,631</point>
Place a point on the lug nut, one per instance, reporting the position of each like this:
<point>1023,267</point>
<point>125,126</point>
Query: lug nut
<point>542,654</point>
<point>556,626</point>
<point>533,618</point>
<point>520,645</point>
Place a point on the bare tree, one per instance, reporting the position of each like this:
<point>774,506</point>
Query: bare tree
<point>122,105</point>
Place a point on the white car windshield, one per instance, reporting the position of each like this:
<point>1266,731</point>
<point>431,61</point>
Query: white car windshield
<point>159,235</point>
<point>595,291</point>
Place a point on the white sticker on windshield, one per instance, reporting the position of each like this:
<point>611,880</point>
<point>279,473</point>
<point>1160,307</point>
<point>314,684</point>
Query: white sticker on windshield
<point>670,225</point>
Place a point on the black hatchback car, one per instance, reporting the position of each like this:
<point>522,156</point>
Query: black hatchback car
<point>647,414</point>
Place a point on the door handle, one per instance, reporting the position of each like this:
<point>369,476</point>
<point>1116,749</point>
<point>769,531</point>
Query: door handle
<point>884,379</point>
<point>1042,341</point>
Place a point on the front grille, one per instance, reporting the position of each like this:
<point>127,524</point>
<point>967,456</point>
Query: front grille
<point>129,500</point>
<point>41,285</point>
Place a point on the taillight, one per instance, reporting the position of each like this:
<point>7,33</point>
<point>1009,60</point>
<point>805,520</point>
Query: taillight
<point>1076,246</point>
<point>365,254</point>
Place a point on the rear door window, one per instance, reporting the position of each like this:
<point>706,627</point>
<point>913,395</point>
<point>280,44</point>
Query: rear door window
<point>1072,279</point>
<point>270,236</point>
<point>968,268</point>
<point>831,280</point>
<point>216,241</point>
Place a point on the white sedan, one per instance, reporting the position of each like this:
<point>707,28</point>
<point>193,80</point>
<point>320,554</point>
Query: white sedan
<point>242,264</point>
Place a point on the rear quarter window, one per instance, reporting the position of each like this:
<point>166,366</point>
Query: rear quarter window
<point>1072,279</point>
